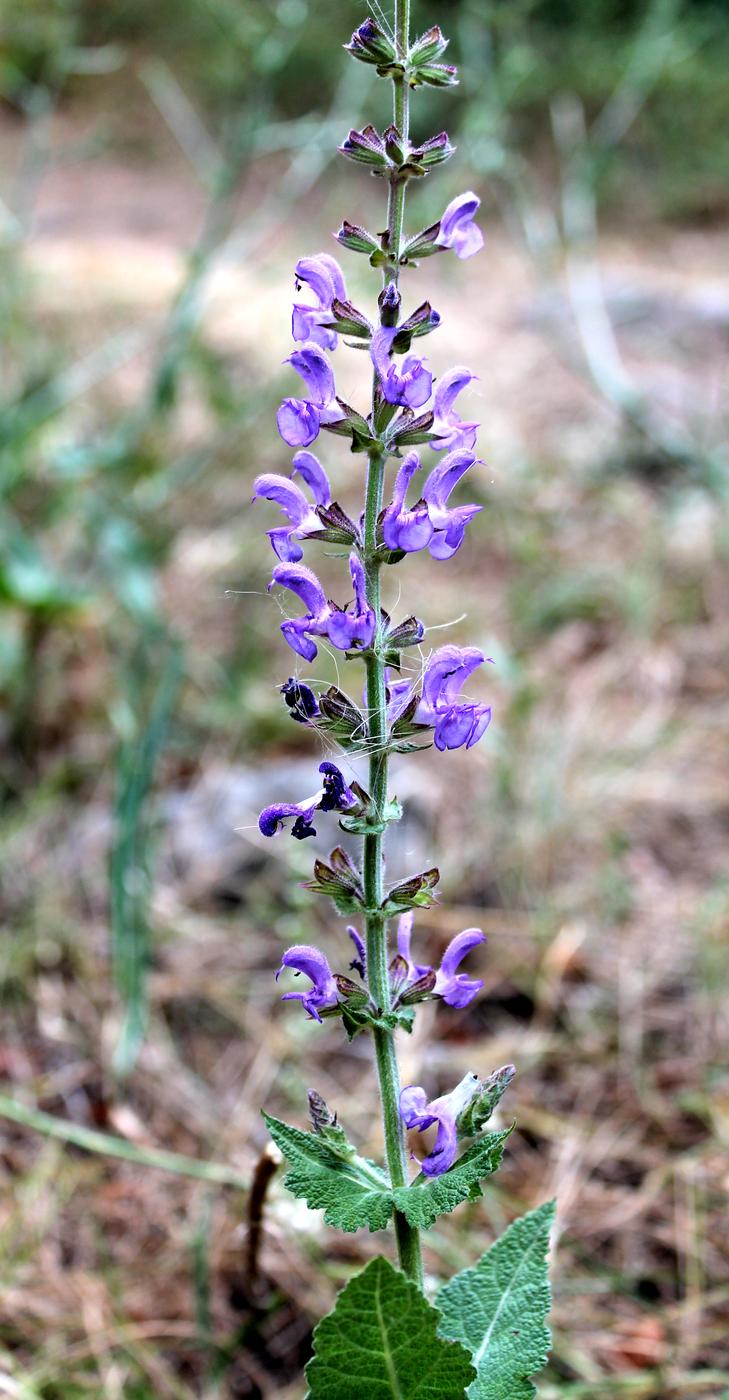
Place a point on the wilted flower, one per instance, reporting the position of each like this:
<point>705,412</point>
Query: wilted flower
<point>333,796</point>
<point>302,703</point>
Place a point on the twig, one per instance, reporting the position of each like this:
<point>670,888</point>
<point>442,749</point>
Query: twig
<point>108,1145</point>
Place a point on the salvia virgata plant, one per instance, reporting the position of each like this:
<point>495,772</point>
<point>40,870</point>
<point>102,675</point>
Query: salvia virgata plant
<point>485,1333</point>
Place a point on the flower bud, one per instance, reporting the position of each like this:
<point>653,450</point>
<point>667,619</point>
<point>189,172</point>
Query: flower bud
<point>434,75</point>
<point>432,152</point>
<point>420,990</point>
<point>389,302</point>
<point>415,893</point>
<point>356,238</point>
<point>398,975</point>
<point>429,47</point>
<point>350,991</point>
<point>347,320</point>
<point>320,1115</point>
<point>337,526</point>
<point>407,634</point>
<point>395,147</point>
<point>408,431</point>
<point>370,44</point>
<point>422,321</point>
<point>367,147</point>
<point>488,1094</point>
<point>423,244</point>
<point>340,880</point>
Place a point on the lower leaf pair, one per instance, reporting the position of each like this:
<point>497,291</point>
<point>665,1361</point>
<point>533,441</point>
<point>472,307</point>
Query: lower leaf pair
<point>483,1339</point>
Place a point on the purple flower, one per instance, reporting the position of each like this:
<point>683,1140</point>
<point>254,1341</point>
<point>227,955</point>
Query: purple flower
<point>449,523</point>
<point>293,503</point>
<point>336,797</point>
<point>302,703</point>
<point>359,961</point>
<point>353,626</point>
<point>299,420</point>
<point>431,522</point>
<point>455,988</point>
<point>315,370</point>
<point>322,995</point>
<point>333,796</point>
<point>405,529</point>
<point>416,1112</point>
<point>299,631</point>
<point>456,722</point>
<point>410,386</point>
<point>457,229</point>
<point>325,278</point>
<point>451,430</point>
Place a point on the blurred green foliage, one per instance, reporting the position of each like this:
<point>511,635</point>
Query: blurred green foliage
<point>275,60</point>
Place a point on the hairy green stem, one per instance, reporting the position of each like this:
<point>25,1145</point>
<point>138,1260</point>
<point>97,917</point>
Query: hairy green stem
<point>408,1238</point>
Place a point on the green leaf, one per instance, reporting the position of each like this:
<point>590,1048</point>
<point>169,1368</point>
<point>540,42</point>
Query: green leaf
<point>351,1191</point>
<point>498,1309</point>
<point>361,1018</point>
<point>381,1341</point>
<point>426,1199</point>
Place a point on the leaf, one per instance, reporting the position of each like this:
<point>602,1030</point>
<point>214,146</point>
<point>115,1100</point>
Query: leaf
<point>354,1193</point>
<point>356,1019</point>
<point>439,1195</point>
<point>381,1341</point>
<point>498,1309</point>
<point>351,1191</point>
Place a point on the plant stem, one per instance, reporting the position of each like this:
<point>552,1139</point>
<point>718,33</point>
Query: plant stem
<point>408,1238</point>
<point>401,118</point>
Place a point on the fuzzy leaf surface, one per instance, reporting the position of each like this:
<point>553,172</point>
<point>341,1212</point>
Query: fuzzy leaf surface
<point>498,1309</point>
<point>380,1343</point>
<point>439,1195</point>
<point>351,1191</point>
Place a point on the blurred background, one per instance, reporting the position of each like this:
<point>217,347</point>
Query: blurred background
<point>163,167</point>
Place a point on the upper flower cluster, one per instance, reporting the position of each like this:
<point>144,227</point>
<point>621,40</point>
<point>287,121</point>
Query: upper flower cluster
<point>410,982</point>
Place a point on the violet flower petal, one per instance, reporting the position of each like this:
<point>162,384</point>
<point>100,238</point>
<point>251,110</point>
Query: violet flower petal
<point>359,963</point>
<point>447,389</point>
<point>304,583</point>
<point>312,365</point>
<point>273,818</point>
<point>298,421</point>
<point>457,988</point>
<point>312,472</point>
<point>457,229</point>
<point>313,964</point>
